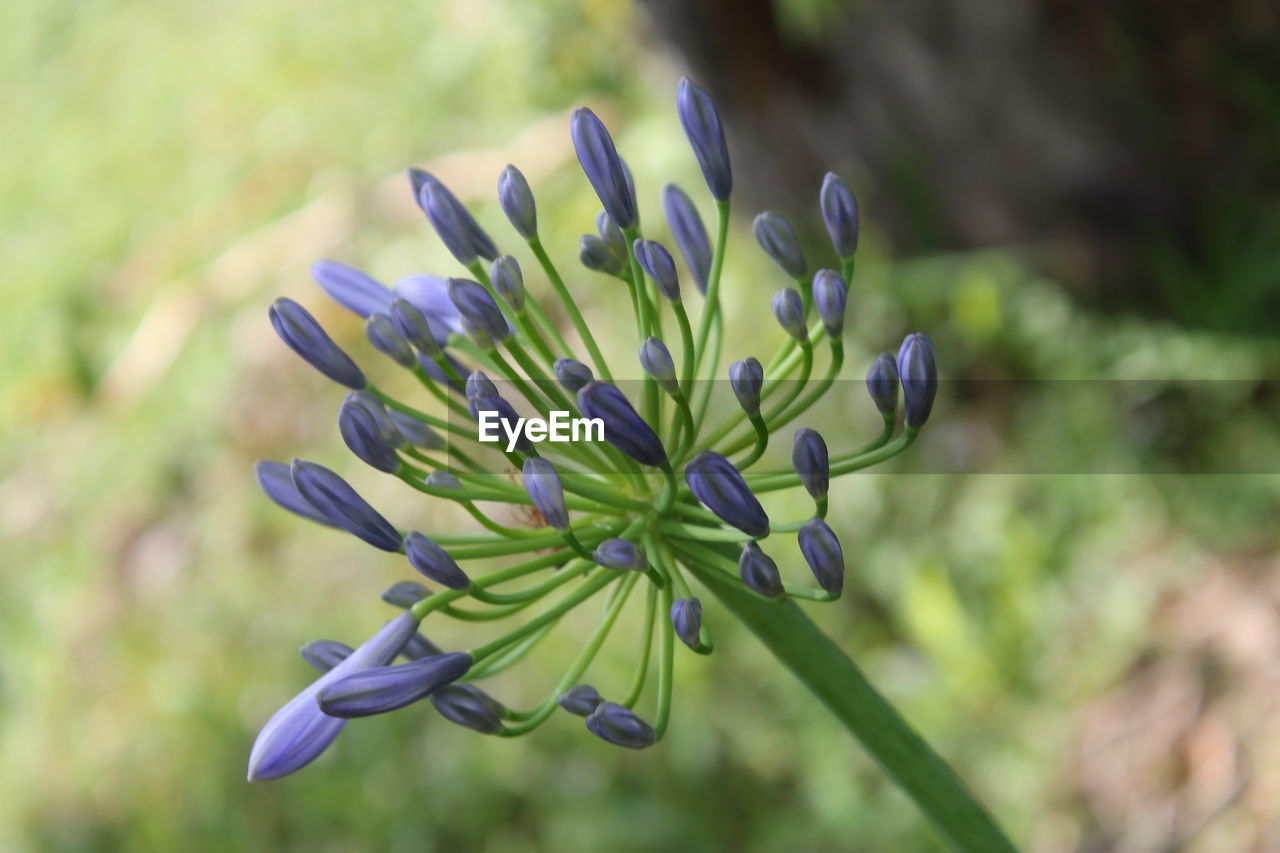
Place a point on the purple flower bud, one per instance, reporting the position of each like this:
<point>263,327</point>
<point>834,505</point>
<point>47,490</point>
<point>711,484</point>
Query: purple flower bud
<point>432,561</point>
<point>776,236</point>
<point>338,502</point>
<point>543,485</point>
<point>686,618</point>
<point>655,260</point>
<point>517,203</point>
<point>840,213</point>
<point>386,688</point>
<point>882,384</point>
<point>573,375</point>
<point>596,256</point>
<point>354,290</point>
<point>297,733</point>
<point>300,331</point>
<point>386,339</point>
<point>581,699</point>
<point>361,433</point>
<point>746,378</point>
<point>656,360</point>
<point>324,655</point>
<point>759,572</point>
<point>458,229</point>
<point>443,480</point>
<point>479,385</point>
<point>918,372</point>
<point>830,296</point>
<point>623,426</point>
<point>508,420</point>
<point>701,124</point>
<point>275,480</point>
<point>414,327</point>
<point>405,594</point>
<point>387,430</point>
<point>822,552</point>
<point>611,234</point>
<point>621,555</point>
<point>689,233</point>
<point>620,726</point>
<point>470,707</point>
<point>788,308</point>
<point>419,647</point>
<point>508,281</point>
<point>415,432</point>
<point>478,308</point>
<point>430,295</point>
<point>603,167</point>
<point>809,458</point>
<point>718,485</point>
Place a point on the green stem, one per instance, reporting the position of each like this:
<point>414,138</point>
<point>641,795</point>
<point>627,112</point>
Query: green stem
<point>557,284</point>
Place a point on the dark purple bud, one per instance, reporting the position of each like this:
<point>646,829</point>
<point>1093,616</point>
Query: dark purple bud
<point>596,256</point>
<point>882,384</point>
<point>419,647</point>
<point>508,281</point>
<point>324,655</point>
<point>655,260</point>
<point>458,229</point>
<point>354,290</point>
<point>830,296</point>
<point>297,733</point>
<point>759,572</point>
<point>443,480</point>
<point>275,480</point>
<point>405,594</point>
<point>361,433</point>
<point>809,458</point>
<point>621,555</point>
<point>918,372</point>
<point>603,167</point>
<point>689,233</point>
<point>386,688</point>
<point>746,377</point>
<point>686,618</point>
<point>478,308</point>
<point>701,124</point>
<point>573,375</point>
<point>788,308</point>
<point>415,432</point>
<point>516,200</point>
<point>581,699</point>
<point>840,213</point>
<point>623,426</point>
<point>387,429</point>
<point>718,485</point>
<point>386,339</point>
<point>339,503</point>
<point>776,236</point>
<point>414,327</point>
<point>822,552</point>
<point>432,561</point>
<point>543,485</point>
<point>470,707</point>
<point>656,360</point>
<point>620,726</point>
<point>300,331</point>
<point>430,295</point>
<point>508,420</point>
<point>479,385</point>
<point>611,234</point>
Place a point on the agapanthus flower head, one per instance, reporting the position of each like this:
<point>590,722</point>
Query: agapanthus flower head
<point>620,726</point>
<point>434,562</point>
<point>830,297</point>
<point>386,339</point>
<point>543,485</point>
<point>508,281</point>
<point>824,555</point>
<point>300,331</point>
<point>603,167</point>
<point>840,214</point>
<point>701,124</point>
<point>623,426</point>
<point>689,233</point>
<point>746,377</point>
<point>720,487</point>
<point>776,236</point>
<point>517,203</point>
<point>354,290</point>
<point>788,310</point>
<point>573,374</point>
<point>918,372</point>
<point>361,432</point>
<point>810,460</point>
<point>658,264</point>
<point>379,689</point>
<point>882,384</point>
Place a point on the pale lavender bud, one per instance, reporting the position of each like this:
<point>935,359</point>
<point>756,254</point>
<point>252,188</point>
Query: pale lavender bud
<point>701,124</point>
<point>776,236</point>
<point>517,203</point>
<point>300,331</point>
<point>354,290</point>
<point>603,167</point>
<point>380,689</point>
<point>434,563</point>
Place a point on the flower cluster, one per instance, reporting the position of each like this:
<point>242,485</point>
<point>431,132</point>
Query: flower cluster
<point>668,493</point>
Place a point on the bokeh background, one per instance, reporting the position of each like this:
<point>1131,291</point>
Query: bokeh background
<point>1069,584</point>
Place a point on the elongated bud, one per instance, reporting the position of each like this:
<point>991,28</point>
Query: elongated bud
<point>918,372</point>
<point>701,124</point>
<point>442,480</point>
<point>517,203</point>
<point>788,308</point>
<point>603,167</point>
<point>458,229</point>
<point>469,707</point>
<point>277,483</point>
<point>746,377</point>
<point>657,262</point>
<point>581,699</point>
<point>415,432</point>
<point>621,555</point>
<point>830,296</point>
<point>339,503</point>
<point>361,433</point>
<point>689,233</point>
<point>508,281</point>
<point>543,485</point>
<point>432,561</point>
<point>718,485</point>
<point>656,360</point>
<point>596,256</point>
<point>324,655</point>
<point>478,308</point>
<point>387,429</point>
<point>882,384</point>
<point>623,426</point>
<point>810,459</point>
<point>840,213</point>
<point>300,331</point>
<point>686,619</point>
<point>611,234</point>
<point>619,725</point>
<point>479,385</point>
<point>386,688</point>
<point>824,555</point>
<point>776,236</point>
<point>573,375</point>
<point>405,594</point>
<point>759,572</point>
<point>358,292</point>
<point>413,326</point>
<point>419,647</point>
<point>386,339</point>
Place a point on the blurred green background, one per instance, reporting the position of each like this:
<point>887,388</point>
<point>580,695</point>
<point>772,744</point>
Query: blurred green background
<point>1073,595</point>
